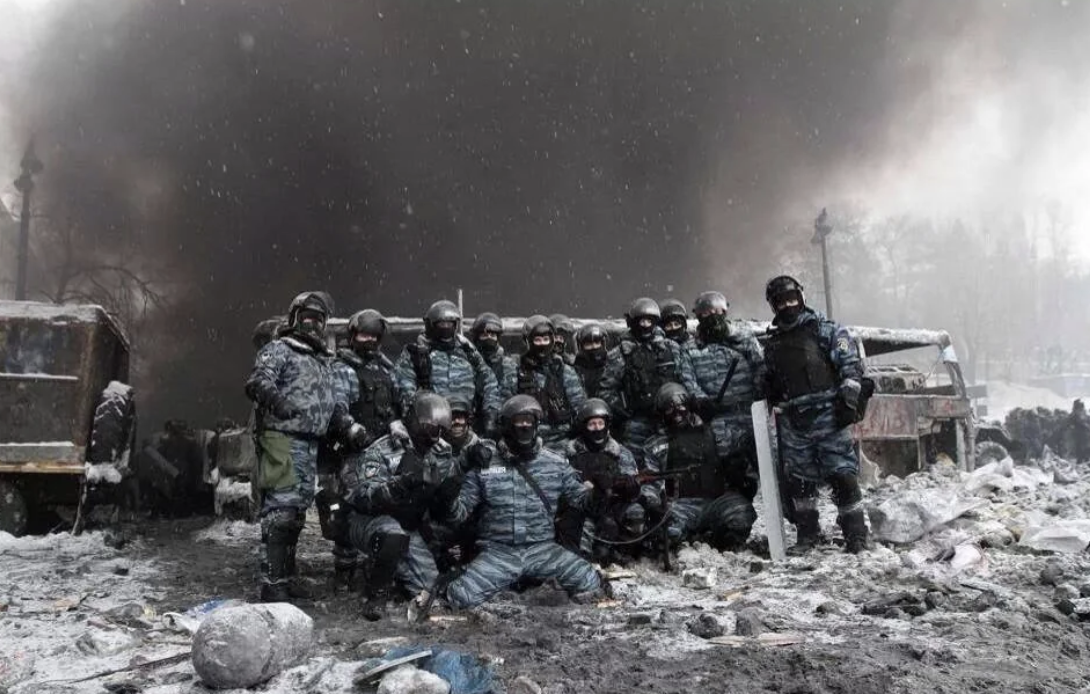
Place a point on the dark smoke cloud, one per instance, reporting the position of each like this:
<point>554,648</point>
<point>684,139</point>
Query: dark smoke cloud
<point>542,155</point>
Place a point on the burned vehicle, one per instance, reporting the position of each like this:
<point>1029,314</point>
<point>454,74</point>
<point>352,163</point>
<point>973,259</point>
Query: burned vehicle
<point>67,417</point>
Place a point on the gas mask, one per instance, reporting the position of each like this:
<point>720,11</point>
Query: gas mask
<point>713,327</point>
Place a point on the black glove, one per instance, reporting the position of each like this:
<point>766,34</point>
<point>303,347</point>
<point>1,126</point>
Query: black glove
<point>445,495</point>
<point>477,457</point>
<point>405,487</point>
<point>626,487</point>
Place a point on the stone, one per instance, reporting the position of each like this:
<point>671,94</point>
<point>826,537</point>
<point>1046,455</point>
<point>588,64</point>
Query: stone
<point>640,618</point>
<point>238,647</point>
<point>1052,574</point>
<point>524,685</point>
<point>749,623</point>
<point>701,579</point>
<point>827,608</point>
<point>705,626</point>
<point>1066,591</point>
<point>412,680</point>
<point>935,599</point>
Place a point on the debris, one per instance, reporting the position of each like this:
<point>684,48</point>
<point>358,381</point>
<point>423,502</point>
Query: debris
<point>103,643</point>
<point>912,514</point>
<point>880,607</point>
<point>524,685</point>
<point>1068,536</point>
<point>378,646</point>
<point>705,626</point>
<point>157,662</point>
<point>699,578</point>
<point>408,679</point>
<point>767,639</point>
<point>249,644</point>
<point>749,623</point>
<point>131,614</point>
<point>189,621</point>
<point>385,666</point>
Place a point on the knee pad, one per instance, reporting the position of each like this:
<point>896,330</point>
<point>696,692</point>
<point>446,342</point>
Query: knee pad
<point>282,525</point>
<point>846,492</point>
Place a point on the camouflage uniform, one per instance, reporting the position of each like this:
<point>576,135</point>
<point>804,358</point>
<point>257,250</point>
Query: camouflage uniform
<point>616,512</point>
<point>378,507</point>
<point>633,375</point>
<point>447,370</point>
<point>515,532</point>
<point>292,373</point>
<point>555,385</point>
<point>715,501</point>
<point>708,364</point>
<point>809,363</point>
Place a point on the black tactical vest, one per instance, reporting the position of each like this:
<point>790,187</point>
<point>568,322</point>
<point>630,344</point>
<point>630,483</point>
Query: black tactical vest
<point>647,368</point>
<point>599,467</point>
<point>695,449</point>
<point>552,396</point>
<point>410,512</point>
<point>798,363</point>
<point>375,408</point>
<point>591,375</point>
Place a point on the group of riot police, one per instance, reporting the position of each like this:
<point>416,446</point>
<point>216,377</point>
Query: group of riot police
<point>460,471</point>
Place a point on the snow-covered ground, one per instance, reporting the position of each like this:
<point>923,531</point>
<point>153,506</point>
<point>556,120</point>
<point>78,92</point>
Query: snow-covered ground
<point>965,599</point>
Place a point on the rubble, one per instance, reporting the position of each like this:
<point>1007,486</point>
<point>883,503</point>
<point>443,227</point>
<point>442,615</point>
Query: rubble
<point>411,680</point>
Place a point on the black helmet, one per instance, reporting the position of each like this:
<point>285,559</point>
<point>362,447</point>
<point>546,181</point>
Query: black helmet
<point>460,403</point>
<point>591,332</point>
<point>367,322</point>
<point>520,438</point>
<point>640,309</point>
<point>442,312</point>
<point>562,324</point>
<point>674,311</point>
<point>308,301</point>
<point>486,321</point>
<point>427,419</point>
<point>709,302</point>
<point>778,286</point>
<point>594,407</point>
<point>535,326</point>
<point>670,395</point>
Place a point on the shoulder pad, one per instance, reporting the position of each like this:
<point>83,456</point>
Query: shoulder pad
<point>296,344</point>
<point>627,347</point>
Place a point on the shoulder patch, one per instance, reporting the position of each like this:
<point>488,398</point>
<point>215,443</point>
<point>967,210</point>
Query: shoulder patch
<point>843,345</point>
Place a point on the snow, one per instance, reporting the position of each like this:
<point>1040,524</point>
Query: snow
<point>117,389</point>
<point>229,489</point>
<point>102,472</point>
<point>37,377</point>
<point>1004,396</point>
<point>57,313</point>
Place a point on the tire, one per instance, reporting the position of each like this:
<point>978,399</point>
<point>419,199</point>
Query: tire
<point>114,425</point>
<point>13,509</point>
<point>990,452</point>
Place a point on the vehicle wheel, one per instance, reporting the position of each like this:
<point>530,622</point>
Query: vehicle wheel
<point>13,510</point>
<point>114,425</point>
<point>990,452</point>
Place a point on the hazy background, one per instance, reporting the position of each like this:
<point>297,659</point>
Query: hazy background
<point>208,159</point>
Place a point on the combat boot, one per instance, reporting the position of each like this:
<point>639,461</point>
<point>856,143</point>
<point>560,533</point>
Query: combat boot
<point>375,605</point>
<point>807,529</point>
<point>854,527</point>
<point>274,572</point>
<point>386,552</point>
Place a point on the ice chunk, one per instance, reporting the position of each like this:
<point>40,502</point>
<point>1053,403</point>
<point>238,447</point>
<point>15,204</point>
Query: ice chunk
<point>912,514</point>
<point>247,645</point>
<point>1069,536</point>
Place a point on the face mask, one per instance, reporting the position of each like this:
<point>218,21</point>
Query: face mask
<point>487,345</point>
<point>597,438</point>
<point>643,332</point>
<point>714,328</point>
<point>310,324</point>
<point>677,333</point>
<point>444,332</point>
<point>521,437</point>
<point>789,314</point>
<point>677,417</point>
<point>365,347</point>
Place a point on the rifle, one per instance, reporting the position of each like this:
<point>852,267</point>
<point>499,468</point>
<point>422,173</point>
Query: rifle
<point>646,476</point>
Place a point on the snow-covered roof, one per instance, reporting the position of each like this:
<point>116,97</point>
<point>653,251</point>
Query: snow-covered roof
<point>37,310</point>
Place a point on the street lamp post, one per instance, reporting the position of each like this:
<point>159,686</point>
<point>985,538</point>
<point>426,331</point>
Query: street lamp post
<point>822,229</point>
<point>25,185</point>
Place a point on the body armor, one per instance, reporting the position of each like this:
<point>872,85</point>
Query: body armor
<point>552,396</point>
<point>798,364</point>
<point>695,449</point>
<point>591,375</point>
<point>646,370</point>
<point>376,407</point>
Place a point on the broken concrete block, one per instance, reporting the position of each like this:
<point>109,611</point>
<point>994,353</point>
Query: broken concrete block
<point>749,623</point>
<point>408,679</point>
<point>703,578</point>
<point>706,626</point>
<point>912,514</point>
<point>238,647</point>
<point>1069,536</point>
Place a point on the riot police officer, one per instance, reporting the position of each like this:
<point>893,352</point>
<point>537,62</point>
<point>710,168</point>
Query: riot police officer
<point>815,380</point>
<point>590,357</point>
<point>485,334</point>
<point>675,322</point>
<point>390,492</point>
<point>443,361</point>
<point>564,331</point>
<point>541,373</point>
<point>598,531</point>
<point>637,368</point>
<point>726,364</point>
<point>292,385</point>
<point>710,496</point>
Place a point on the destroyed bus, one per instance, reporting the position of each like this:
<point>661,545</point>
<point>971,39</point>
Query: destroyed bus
<point>67,418</point>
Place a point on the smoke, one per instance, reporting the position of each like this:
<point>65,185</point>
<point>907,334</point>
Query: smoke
<point>544,156</point>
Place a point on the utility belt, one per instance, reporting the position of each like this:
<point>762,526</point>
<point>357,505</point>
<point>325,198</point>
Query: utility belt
<point>298,434</point>
<point>803,415</point>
